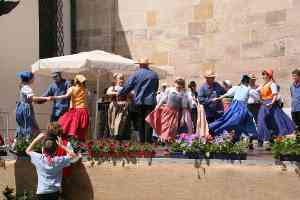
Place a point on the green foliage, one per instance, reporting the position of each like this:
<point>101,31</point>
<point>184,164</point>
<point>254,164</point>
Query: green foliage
<point>22,145</point>
<point>226,147</point>
<point>147,148</point>
<point>286,146</point>
<point>8,194</point>
<point>179,146</point>
<point>134,148</point>
<point>95,148</point>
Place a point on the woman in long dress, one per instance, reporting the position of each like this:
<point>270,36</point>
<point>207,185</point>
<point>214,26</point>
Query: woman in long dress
<point>194,110</point>
<point>272,121</point>
<point>75,122</point>
<point>237,118</point>
<point>118,122</point>
<point>165,119</point>
<point>27,125</point>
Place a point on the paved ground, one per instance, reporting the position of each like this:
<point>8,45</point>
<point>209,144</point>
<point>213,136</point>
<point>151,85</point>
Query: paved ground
<point>176,180</point>
<point>170,179</point>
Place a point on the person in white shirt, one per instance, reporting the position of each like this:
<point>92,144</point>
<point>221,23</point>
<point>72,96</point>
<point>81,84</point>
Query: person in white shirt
<point>194,110</point>
<point>118,121</point>
<point>237,118</point>
<point>167,116</point>
<point>254,97</point>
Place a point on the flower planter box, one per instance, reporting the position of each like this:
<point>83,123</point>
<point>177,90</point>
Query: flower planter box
<point>178,155</point>
<point>187,155</point>
<point>223,156</point>
<point>3,152</point>
<point>147,154</point>
<point>195,155</point>
<point>289,158</point>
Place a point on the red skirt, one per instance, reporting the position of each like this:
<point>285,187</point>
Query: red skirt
<point>164,120</point>
<point>1,140</point>
<point>75,123</point>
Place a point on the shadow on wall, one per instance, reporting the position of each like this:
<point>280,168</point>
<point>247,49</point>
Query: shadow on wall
<point>76,187</point>
<point>98,26</point>
<point>25,177</point>
<point>120,36</point>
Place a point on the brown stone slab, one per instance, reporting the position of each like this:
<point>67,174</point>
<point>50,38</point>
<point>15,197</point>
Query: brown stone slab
<point>188,43</point>
<point>275,48</point>
<point>151,18</point>
<point>196,28</point>
<point>204,10</point>
<point>276,17</point>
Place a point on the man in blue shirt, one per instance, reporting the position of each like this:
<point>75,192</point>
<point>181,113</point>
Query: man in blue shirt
<point>57,88</point>
<point>295,94</point>
<point>144,83</point>
<point>206,95</point>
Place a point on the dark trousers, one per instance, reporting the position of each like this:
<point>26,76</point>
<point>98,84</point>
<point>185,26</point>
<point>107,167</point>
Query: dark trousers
<point>145,130</point>
<point>194,114</point>
<point>50,196</point>
<point>133,117</point>
<point>211,119</point>
<point>55,117</point>
<point>296,119</point>
<point>254,109</point>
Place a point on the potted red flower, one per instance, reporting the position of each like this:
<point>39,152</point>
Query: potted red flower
<point>148,151</point>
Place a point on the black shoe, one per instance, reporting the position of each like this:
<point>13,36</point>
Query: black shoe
<point>260,143</point>
<point>251,147</point>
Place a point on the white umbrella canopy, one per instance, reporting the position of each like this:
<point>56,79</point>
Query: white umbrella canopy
<point>92,61</point>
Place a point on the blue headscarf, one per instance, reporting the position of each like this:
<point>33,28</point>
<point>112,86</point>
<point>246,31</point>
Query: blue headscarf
<point>25,76</point>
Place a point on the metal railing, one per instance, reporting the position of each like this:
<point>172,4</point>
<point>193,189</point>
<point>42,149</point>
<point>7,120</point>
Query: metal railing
<point>4,125</point>
<point>42,118</point>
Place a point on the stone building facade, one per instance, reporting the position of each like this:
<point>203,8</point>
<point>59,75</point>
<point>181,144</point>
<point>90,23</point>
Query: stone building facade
<point>231,36</point>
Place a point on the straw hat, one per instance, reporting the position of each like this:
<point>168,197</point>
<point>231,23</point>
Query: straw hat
<point>80,78</point>
<point>144,61</point>
<point>209,74</point>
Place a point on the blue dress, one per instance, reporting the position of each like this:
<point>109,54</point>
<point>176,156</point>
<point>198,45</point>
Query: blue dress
<point>272,121</point>
<point>237,117</point>
<point>26,122</point>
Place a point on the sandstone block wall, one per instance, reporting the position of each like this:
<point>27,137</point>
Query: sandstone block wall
<point>231,36</point>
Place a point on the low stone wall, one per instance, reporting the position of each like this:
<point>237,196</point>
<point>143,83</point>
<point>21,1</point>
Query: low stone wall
<point>167,180</point>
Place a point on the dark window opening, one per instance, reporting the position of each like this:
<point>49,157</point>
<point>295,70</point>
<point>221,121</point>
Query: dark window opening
<point>51,28</point>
